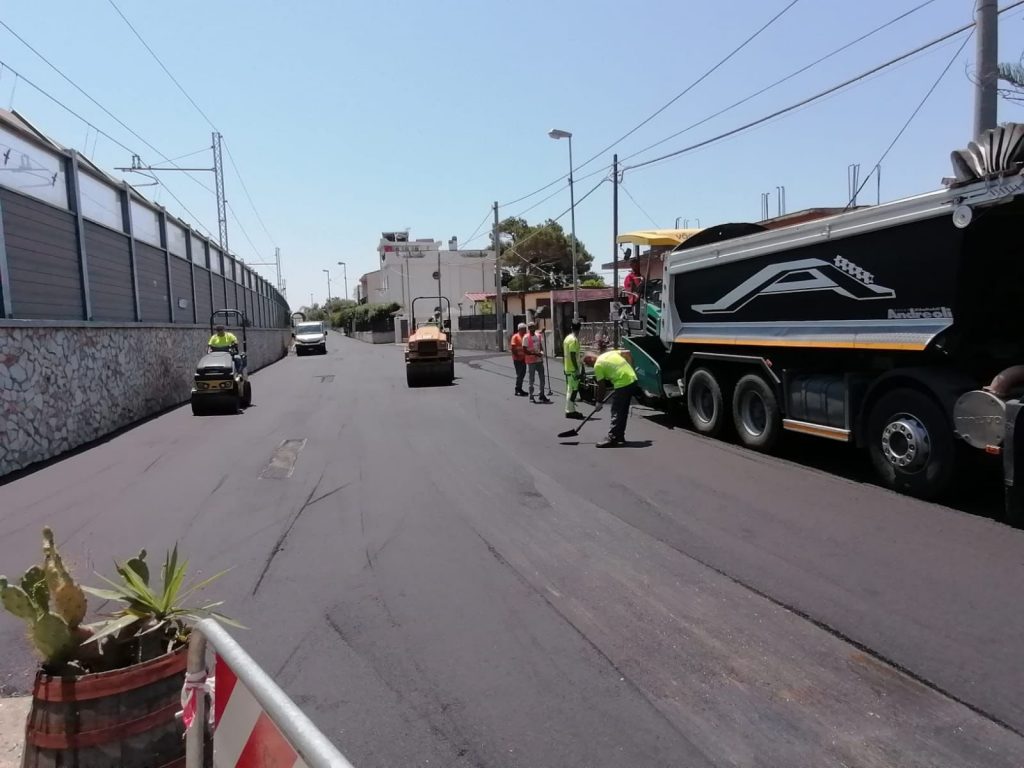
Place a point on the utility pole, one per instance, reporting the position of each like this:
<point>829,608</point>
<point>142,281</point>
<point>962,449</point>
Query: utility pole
<point>222,203</point>
<point>499,310</point>
<point>615,251</point>
<point>987,74</point>
<point>328,273</point>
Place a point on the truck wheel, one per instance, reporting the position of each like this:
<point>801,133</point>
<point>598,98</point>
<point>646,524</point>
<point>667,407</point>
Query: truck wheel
<point>755,413</point>
<point>704,402</point>
<point>451,374</point>
<point>197,408</point>
<point>411,377</point>
<point>910,443</point>
<point>246,395</point>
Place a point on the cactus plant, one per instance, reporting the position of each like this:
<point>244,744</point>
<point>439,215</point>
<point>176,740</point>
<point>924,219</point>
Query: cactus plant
<point>55,634</point>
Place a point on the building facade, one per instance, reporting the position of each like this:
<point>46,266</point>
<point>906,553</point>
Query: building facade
<point>413,268</point>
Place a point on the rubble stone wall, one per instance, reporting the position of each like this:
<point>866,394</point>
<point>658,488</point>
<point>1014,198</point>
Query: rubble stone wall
<point>64,384</point>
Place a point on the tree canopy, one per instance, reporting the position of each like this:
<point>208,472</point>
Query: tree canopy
<point>539,256</point>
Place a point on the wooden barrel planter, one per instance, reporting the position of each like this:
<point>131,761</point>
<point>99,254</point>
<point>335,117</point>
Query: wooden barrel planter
<point>110,719</point>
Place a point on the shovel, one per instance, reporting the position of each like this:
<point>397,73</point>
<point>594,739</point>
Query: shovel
<point>574,432</point>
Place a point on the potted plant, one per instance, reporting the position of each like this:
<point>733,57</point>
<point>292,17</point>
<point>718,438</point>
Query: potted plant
<point>106,693</point>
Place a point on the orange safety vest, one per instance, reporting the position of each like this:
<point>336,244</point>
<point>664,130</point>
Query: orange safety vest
<point>534,345</point>
<point>516,346</point>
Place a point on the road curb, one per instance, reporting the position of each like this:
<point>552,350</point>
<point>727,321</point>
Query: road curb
<point>13,712</point>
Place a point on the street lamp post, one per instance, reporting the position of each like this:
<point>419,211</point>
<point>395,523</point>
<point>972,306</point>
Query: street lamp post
<point>328,273</point>
<point>344,274</point>
<point>556,133</point>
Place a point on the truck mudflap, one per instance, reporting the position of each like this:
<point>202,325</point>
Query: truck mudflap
<point>647,354</point>
<point>1013,463</point>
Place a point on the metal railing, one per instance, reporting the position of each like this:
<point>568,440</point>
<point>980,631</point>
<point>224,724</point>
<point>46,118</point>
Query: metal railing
<point>307,740</point>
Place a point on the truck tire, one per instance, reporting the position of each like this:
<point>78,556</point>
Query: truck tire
<point>412,377</point>
<point>246,395</point>
<point>198,409</point>
<point>704,402</point>
<point>755,413</point>
<point>910,442</point>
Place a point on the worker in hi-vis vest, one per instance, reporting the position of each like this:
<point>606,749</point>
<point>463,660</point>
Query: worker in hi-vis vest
<point>573,369</point>
<point>611,368</point>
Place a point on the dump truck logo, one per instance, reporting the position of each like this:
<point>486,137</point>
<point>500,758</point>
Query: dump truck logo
<point>841,276</point>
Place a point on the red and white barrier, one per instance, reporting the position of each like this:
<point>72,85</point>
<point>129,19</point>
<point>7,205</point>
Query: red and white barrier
<point>244,736</point>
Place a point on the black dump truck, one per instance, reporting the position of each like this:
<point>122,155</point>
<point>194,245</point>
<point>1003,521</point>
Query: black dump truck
<point>895,327</point>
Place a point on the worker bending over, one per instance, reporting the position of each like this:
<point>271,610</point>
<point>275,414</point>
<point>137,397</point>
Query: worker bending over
<point>614,369</point>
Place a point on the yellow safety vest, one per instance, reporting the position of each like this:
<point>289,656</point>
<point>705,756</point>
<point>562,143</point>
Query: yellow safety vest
<point>612,367</point>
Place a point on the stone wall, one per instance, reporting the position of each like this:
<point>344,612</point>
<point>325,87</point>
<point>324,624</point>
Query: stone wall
<point>374,337</point>
<point>64,384</point>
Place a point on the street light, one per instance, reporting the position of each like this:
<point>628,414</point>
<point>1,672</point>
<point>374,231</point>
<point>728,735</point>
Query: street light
<point>344,274</point>
<point>556,133</point>
<point>328,273</point>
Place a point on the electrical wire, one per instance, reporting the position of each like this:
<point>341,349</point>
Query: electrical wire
<point>665,106</point>
<point>479,226</point>
<point>162,66</point>
<point>816,97</point>
<point>246,234</point>
<point>513,250</point>
<point>640,207</point>
<point>248,196</point>
<point>106,111</point>
<point>785,79</point>
<point>206,117</point>
<point>913,114</point>
<point>64,106</point>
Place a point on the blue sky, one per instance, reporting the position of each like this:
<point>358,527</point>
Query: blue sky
<point>347,119</point>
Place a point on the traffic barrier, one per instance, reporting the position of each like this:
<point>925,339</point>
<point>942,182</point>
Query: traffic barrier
<point>254,722</point>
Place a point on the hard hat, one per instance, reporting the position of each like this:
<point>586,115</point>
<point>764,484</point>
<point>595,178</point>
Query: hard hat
<point>521,327</point>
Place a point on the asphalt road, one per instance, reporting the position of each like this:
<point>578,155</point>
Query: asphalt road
<point>437,580</point>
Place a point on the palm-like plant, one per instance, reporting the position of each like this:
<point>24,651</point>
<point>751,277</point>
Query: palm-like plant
<point>162,613</point>
<point>1013,75</point>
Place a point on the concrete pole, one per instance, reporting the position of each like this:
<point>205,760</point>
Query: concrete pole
<point>499,310</point>
<point>572,219</point>
<point>987,66</point>
<point>615,248</point>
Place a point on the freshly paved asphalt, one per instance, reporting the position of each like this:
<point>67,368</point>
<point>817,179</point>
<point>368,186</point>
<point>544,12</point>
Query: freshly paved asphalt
<point>441,581</point>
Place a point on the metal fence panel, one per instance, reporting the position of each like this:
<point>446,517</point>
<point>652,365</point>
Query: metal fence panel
<point>42,258</point>
<point>181,296</point>
<point>152,283</point>
<point>110,274</point>
<point>203,305</point>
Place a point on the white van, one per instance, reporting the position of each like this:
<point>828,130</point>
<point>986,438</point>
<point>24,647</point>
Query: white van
<point>310,337</point>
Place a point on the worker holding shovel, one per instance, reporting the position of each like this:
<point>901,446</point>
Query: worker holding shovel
<point>614,369</point>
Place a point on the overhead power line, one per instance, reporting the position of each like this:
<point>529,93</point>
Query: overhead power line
<point>479,226</point>
<point>99,131</point>
<point>162,66</point>
<point>640,207</point>
<point>512,251</point>
<point>913,114</point>
<point>245,189</point>
<point>206,117</point>
<point>818,96</point>
<point>665,106</point>
<point>785,79</point>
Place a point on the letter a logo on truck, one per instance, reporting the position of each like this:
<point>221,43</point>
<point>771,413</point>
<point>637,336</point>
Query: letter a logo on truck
<point>805,275</point>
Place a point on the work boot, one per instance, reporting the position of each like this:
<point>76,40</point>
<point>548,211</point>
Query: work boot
<point>574,415</point>
<point>543,399</point>
<point>521,393</point>
<point>533,399</point>
<point>609,442</point>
